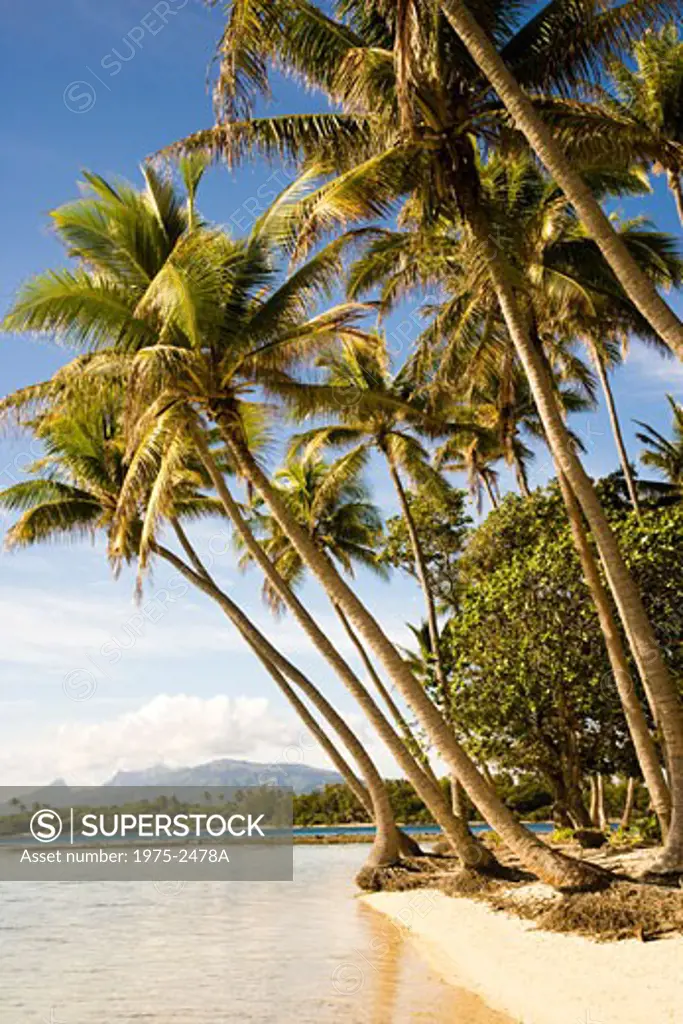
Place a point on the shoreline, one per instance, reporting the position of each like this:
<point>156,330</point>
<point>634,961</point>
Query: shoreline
<point>362,832</point>
<point>536,976</point>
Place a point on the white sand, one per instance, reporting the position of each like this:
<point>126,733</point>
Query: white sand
<point>539,977</point>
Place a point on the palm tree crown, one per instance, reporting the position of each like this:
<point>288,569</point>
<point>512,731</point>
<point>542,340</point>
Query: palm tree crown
<point>642,117</point>
<point>662,454</point>
<point>333,504</point>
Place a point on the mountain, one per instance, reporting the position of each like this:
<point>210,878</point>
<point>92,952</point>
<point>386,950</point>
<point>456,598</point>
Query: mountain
<point>227,772</point>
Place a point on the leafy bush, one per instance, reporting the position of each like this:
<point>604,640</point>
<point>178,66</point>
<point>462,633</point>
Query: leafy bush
<point>642,830</point>
<point>562,835</point>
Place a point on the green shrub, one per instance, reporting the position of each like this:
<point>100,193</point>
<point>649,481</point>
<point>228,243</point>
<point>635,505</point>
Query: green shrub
<point>642,830</point>
<point>562,835</point>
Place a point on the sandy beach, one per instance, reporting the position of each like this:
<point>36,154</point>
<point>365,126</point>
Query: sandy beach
<point>538,977</point>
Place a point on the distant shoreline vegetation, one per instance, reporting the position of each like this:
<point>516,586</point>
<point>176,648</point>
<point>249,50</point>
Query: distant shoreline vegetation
<point>335,805</point>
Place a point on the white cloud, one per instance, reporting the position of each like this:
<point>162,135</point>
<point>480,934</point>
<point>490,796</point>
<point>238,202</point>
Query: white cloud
<point>60,632</point>
<point>654,372</point>
<point>175,730</point>
<point>57,631</point>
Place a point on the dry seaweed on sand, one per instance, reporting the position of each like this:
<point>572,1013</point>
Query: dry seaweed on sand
<point>410,873</point>
<point>624,911</point>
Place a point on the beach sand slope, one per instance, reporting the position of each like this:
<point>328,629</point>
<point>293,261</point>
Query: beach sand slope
<point>539,977</point>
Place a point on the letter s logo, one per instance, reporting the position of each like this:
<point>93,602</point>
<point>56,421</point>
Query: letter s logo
<point>46,826</point>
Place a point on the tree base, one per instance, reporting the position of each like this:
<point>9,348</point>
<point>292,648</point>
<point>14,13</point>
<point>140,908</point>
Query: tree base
<point>667,869</point>
<point>583,877</point>
<point>371,878</point>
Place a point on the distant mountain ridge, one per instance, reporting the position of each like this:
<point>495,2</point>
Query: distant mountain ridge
<point>229,772</point>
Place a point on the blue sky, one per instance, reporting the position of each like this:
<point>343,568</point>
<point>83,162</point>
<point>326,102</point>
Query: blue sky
<point>88,682</point>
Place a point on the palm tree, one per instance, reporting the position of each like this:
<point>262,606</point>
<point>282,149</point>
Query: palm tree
<point>380,412</point>
<point>576,295</point>
<point>75,491</point>
<point>503,410</point>
<point>599,313</point>
<point>335,505</point>
<point>650,101</point>
<point>476,458</point>
<point>206,321</point>
<point>597,25</point>
<point>641,117</point>
<point>662,454</point>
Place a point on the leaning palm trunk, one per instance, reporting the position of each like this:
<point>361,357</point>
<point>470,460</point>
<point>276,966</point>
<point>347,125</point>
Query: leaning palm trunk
<point>471,851</point>
<point>342,766</point>
<point>551,866</point>
<point>391,704</point>
<point>645,748</point>
<point>407,846</point>
<point>616,427</point>
<point>383,848</point>
<point>635,283</point>
<point>657,681</point>
<point>386,846</point>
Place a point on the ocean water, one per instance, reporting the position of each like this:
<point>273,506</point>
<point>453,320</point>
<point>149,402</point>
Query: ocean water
<point>539,827</point>
<point>208,953</point>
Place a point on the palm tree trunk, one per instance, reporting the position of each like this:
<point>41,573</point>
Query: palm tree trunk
<point>423,578</point>
<point>521,477</point>
<point>594,801</point>
<point>394,710</point>
<point>458,801</point>
<point>489,490</point>
<point>629,803</point>
<point>656,678</point>
<point>637,286</point>
<point>552,867</point>
<point>616,427</point>
<point>645,748</point>
<point>386,846</point>
<point>407,847</point>
<point>674,180</point>
<point>603,823</point>
<point>471,851</point>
